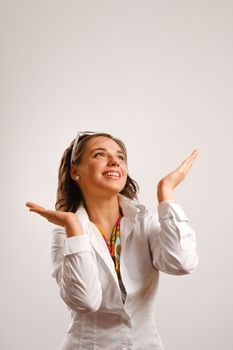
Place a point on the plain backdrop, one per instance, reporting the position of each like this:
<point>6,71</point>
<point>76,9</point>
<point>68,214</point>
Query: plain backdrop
<point>158,75</point>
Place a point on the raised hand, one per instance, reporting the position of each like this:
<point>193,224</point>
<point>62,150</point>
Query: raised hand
<point>68,220</point>
<point>168,183</point>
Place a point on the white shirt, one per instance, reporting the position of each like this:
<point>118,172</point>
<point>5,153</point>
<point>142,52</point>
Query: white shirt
<point>85,273</point>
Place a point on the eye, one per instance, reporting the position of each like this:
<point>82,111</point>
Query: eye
<point>99,155</point>
<point>121,157</point>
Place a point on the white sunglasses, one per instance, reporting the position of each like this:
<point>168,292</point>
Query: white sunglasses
<point>79,134</point>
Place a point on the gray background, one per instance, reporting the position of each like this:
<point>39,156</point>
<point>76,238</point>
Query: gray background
<point>157,74</point>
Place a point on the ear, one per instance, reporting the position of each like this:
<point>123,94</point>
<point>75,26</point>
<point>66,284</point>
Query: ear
<point>73,172</point>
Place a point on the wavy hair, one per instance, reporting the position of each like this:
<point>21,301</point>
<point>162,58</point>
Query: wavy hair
<point>69,195</point>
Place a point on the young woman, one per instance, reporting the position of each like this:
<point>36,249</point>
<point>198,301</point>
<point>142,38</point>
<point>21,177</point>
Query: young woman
<point>107,249</point>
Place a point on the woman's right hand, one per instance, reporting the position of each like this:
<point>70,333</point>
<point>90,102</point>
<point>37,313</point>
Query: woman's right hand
<point>68,220</point>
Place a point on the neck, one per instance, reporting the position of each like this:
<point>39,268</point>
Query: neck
<point>103,212</point>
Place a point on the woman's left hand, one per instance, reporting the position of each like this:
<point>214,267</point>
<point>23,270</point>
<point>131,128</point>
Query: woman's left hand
<point>168,183</point>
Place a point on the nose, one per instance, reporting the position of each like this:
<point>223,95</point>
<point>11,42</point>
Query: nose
<point>113,161</point>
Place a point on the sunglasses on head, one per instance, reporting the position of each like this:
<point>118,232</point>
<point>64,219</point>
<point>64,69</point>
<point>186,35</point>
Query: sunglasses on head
<point>79,134</point>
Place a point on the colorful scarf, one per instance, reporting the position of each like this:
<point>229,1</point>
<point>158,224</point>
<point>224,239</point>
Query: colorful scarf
<point>114,247</point>
<point>114,244</point>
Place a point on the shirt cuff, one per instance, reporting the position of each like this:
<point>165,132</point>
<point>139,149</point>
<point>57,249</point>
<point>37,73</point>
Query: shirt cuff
<point>76,244</point>
<point>169,209</point>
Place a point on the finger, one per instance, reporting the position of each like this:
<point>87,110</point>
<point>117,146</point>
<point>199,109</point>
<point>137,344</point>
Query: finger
<point>193,156</point>
<point>187,163</point>
<point>35,208</point>
<point>190,158</point>
<point>187,166</point>
<point>195,151</point>
<point>38,211</point>
<point>32,205</point>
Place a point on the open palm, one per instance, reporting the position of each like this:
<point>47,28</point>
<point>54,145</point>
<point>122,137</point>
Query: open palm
<point>175,177</point>
<point>56,217</point>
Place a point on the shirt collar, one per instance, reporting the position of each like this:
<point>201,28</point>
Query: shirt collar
<point>130,207</point>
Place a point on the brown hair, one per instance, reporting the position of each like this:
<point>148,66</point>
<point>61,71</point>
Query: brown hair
<point>69,195</point>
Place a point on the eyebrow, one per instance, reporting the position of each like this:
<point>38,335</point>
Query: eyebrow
<point>104,149</point>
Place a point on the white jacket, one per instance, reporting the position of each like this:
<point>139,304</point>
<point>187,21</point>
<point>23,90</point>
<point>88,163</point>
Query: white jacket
<point>85,273</point>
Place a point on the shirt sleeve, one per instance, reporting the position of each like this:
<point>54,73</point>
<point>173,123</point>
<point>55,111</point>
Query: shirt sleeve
<point>73,266</point>
<point>171,239</point>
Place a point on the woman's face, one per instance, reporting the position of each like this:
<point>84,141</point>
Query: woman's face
<point>103,169</point>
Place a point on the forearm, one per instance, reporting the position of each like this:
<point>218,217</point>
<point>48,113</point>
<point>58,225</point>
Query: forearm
<point>79,283</point>
<point>172,240</point>
<point>75,269</point>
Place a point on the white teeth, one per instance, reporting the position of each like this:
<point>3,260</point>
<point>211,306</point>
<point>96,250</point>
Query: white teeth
<point>111,173</point>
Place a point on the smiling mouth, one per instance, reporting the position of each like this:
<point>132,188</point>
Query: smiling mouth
<point>111,175</point>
